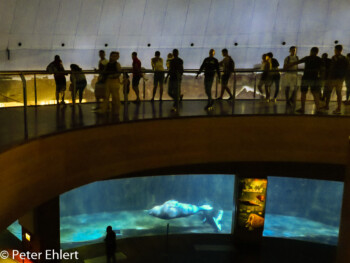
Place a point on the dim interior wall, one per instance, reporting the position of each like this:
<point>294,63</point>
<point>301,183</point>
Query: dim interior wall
<point>85,26</point>
<point>79,157</point>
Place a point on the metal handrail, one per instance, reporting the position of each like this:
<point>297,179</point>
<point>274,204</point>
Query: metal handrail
<point>129,70</point>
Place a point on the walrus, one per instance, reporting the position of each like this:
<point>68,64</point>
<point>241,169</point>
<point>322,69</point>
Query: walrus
<point>173,209</point>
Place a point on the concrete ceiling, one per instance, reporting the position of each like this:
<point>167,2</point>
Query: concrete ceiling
<point>85,26</point>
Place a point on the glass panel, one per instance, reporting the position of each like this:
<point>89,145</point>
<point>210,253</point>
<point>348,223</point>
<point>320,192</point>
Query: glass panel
<point>144,206</point>
<point>303,209</point>
<point>11,91</point>
<point>16,229</point>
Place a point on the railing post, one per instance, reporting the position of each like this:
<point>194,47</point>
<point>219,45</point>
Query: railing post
<point>234,87</point>
<point>24,105</point>
<point>74,90</point>
<point>216,86</point>
<point>144,88</point>
<point>254,85</point>
<point>35,91</point>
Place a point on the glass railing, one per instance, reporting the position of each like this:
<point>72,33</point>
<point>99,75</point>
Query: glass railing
<point>23,92</point>
<point>33,88</point>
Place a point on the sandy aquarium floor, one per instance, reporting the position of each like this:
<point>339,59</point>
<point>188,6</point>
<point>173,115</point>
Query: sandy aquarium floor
<point>85,229</point>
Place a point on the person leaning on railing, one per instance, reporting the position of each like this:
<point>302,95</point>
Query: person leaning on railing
<point>56,68</point>
<point>78,82</point>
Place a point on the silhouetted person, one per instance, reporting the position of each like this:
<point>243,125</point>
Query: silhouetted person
<point>326,65</point>
<point>337,72</point>
<point>112,73</point>
<point>111,244</point>
<point>275,75</point>
<point>265,79</point>
<point>56,68</point>
<point>210,65</point>
<point>228,66</point>
<point>175,75</point>
<point>347,79</point>
<point>290,79</point>
<point>313,65</point>
<point>78,82</point>
<point>136,75</point>
<point>100,88</point>
<point>126,86</point>
<point>157,66</point>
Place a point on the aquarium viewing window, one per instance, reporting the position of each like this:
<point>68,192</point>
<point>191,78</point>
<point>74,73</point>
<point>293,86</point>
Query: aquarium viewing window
<point>145,206</point>
<point>303,209</point>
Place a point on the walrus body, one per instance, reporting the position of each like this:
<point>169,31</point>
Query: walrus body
<point>173,209</point>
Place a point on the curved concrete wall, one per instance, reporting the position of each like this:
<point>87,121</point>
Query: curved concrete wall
<point>85,26</point>
<point>42,169</point>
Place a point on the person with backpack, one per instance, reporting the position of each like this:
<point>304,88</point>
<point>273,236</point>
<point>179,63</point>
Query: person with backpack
<point>56,68</point>
<point>228,66</point>
<point>209,66</point>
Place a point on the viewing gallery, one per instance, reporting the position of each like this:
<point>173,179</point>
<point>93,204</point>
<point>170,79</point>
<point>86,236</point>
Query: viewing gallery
<point>175,131</point>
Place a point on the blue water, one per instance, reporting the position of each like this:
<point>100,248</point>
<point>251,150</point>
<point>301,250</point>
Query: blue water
<point>16,229</point>
<point>300,229</point>
<point>91,228</point>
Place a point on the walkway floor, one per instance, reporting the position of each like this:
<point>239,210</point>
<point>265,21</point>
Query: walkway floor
<point>44,120</point>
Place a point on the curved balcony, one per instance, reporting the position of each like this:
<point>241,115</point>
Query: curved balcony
<point>244,136</point>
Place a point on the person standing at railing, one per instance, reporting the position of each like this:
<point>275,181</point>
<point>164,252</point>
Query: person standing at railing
<point>265,79</point>
<point>311,78</point>
<point>326,65</point>
<point>228,66</point>
<point>78,82</point>
<point>112,74</point>
<point>337,72</point>
<point>136,75</point>
<point>157,66</point>
<point>210,65</point>
<point>175,72</point>
<point>347,80</point>
<point>275,75</point>
<point>290,79</point>
<point>100,87</point>
<point>56,68</point>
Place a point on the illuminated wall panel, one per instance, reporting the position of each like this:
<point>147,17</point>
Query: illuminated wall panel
<point>111,17</point>
<point>7,8</point>
<point>46,17</point>
<point>68,17</point>
<point>89,17</point>
<point>258,26</point>
<point>25,16</point>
